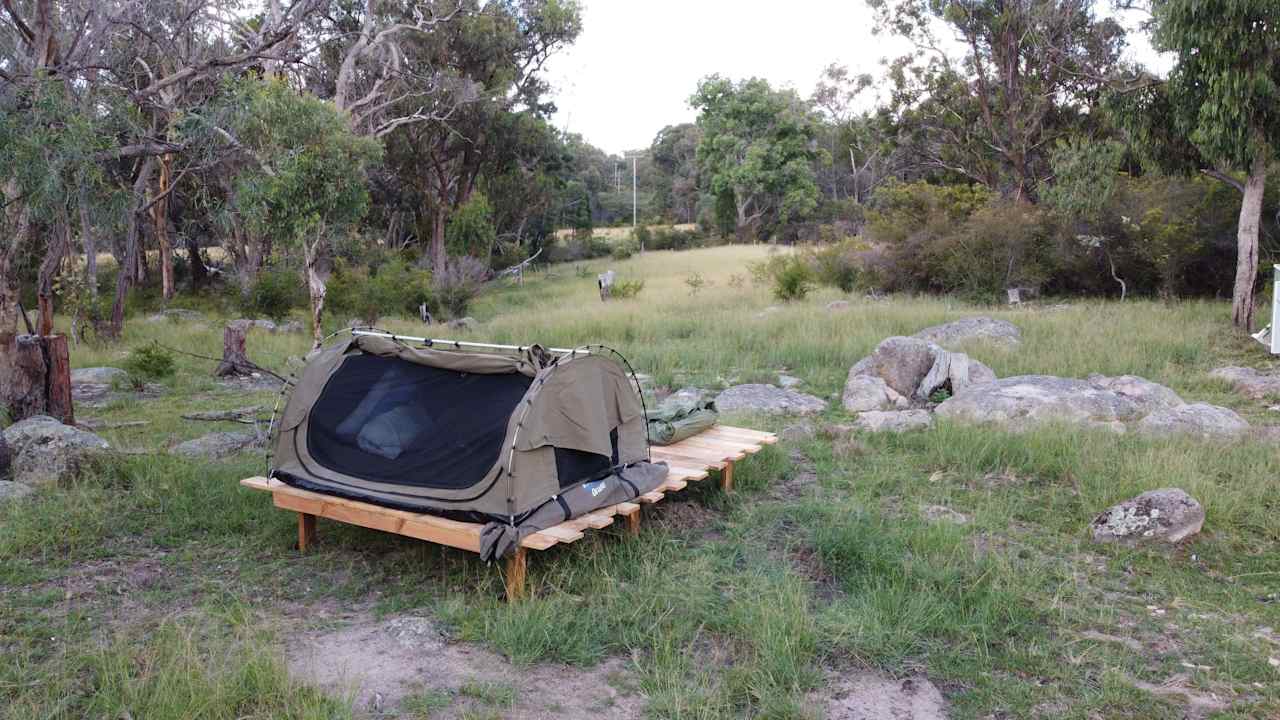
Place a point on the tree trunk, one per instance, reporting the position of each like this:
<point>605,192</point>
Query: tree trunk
<point>6,460</point>
<point>160,216</point>
<point>55,251</point>
<point>1242,304</point>
<point>315,285</point>
<point>90,244</point>
<point>8,294</point>
<point>125,275</point>
<point>234,360</point>
<point>438,255</point>
<point>199,273</point>
<point>35,374</point>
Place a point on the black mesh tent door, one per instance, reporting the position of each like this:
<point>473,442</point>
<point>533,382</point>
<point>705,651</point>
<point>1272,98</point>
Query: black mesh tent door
<point>401,423</point>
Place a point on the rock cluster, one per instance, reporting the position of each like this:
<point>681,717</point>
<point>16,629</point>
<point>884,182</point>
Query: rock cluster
<point>1112,403</point>
<point>910,370</point>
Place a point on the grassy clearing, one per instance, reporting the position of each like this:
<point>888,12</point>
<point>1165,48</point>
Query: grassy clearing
<point>153,587</point>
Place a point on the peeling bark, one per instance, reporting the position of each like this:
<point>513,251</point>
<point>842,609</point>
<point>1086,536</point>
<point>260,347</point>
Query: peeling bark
<point>1242,301</point>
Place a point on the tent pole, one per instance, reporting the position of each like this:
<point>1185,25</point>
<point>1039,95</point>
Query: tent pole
<point>465,343</point>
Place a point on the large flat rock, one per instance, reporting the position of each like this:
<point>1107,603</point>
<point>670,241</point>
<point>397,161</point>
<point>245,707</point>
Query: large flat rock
<point>768,400</point>
<point>965,330</point>
<point>1249,382</point>
<point>46,452</point>
<point>1027,400</point>
<point>1198,420</point>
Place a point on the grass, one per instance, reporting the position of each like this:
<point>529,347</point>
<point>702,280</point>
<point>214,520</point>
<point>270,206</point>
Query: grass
<point>729,606</point>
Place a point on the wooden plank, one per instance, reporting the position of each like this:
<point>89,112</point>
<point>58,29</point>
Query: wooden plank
<point>727,433</point>
<point>465,536</point>
<point>725,446</point>
<point>538,541</point>
<point>686,473</point>
<point>562,533</point>
<point>650,498</point>
<point>699,455</point>
<point>674,456</point>
<point>717,438</point>
<point>767,438</point>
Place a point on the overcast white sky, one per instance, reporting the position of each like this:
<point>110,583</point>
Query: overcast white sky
<point>637,62</point>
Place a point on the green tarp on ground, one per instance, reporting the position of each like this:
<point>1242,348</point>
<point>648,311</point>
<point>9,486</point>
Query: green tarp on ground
<point>683,414</point>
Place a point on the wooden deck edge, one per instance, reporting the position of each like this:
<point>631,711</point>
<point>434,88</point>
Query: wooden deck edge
<point>689,461</point>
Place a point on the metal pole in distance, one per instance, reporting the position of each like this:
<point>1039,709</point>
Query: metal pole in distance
<point>431,342</point>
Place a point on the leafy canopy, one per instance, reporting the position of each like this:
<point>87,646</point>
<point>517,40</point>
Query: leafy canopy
<point>1224,90</point>
<point>758,144</point>
<point>306,168</point>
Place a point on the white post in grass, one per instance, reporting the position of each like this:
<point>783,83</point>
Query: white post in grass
<point>1275,310</point>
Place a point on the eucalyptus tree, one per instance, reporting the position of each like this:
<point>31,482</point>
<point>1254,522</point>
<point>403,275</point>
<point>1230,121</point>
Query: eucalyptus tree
<point>757,148</point>
<point>302,179</point>
<point>991,85</point>
<point>127,68</point>
<point>1219,111</point>
<point>492,55</point>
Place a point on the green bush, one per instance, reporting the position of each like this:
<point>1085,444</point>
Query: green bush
<point>460,282</point>
<point>666,238</point>
<point>643,238</point>
<point>470,230</point>
<point>626,288</point>
<point>624,250</point>
<point>579,247</point>
<point>148,363</point>
<point>394,287</point>
<point>955,239</point>
<point>792,279</point>
<point>274,293</point>
<point>836,265</point>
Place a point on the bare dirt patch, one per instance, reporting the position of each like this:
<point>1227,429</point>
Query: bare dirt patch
<point>872,696</point>
<point>389,664</point>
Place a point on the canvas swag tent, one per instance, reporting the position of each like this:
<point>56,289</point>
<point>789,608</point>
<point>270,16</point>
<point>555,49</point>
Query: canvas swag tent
<point>520,441</point>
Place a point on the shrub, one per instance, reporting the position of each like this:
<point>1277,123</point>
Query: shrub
<point>458,284</point>
<point>470,230</point>
<point>626,288</point>
<point>666,238</point>
<point>508,254</point>
<point>643,237</point>
<point>148,363</point>
<point>624,250</point>
<point>392,287</point>
<point>792,279</point>
<point>578,247</point>
<point>836,265</point>
<point>1001,245</point>
<point>696,282</point>
<point>274,293</point>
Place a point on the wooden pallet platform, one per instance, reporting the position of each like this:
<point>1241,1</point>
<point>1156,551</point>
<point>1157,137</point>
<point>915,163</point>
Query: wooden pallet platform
<point>690,460</point>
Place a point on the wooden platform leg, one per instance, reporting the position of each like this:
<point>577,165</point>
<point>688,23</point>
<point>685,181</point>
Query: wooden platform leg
<point>516,566</point>
<point>726,477</point>
<point>306,530</point>
<point>633,524</point>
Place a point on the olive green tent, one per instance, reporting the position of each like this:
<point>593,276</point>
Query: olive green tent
<point>521,440</point>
